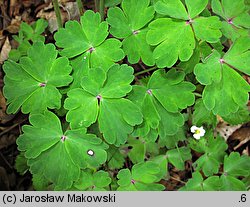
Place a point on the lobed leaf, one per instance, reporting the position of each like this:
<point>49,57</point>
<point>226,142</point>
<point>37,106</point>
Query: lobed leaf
<point>44,141</point>
<point>88,37</point>
<point>32,84</point>
<point>141,178</point>
<point>126,23</point>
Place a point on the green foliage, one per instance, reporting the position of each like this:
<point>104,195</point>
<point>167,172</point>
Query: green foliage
<point>26,34</point>
<point>101,98</point>
<point>216,73</point>
<point>97,181</point>
<point>32,84</point>
<point>160,104</point>
<point>234,166</point>
<point>143,176</point>
<point>185,28</point>
<point>44,141</point>
<point>235,15</point>
<point>89,38</point>
<point>131,27</point>
<point>214,151</point>
<point>101,121</point>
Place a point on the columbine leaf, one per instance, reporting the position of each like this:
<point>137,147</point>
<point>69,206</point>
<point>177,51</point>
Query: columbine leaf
<point>171,91</point>
<point>138,151</point>
<point>115,158</point>
<point>88,37</point>
<point>141,178</point>
<point>235,15</point>
<point>239,117</point>
<point>170,141</point>
<point>202,115</point>
<point>196,183</point>
<point>236,165</point>
<point>238,55</point>
<point>230,183</point>
<point>214,151</point>
<point>178,156</point>
<point>26,35</point>
<point>175,38</point>
<point>172,8</point>
<point>179,43</point>
<point>96,182</point>
<point>130,26</point>
<point>32,84</point>
<point>21,164</point>
<point>216,73</point>
<point>195,7</point>
<point>101,99</point>
<point>226,92</point>
<point>44,141</point>
<point>160,104</point>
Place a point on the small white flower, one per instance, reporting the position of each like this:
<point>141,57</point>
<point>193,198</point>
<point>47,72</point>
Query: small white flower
<point>90,152</point>
<point>198,132</point>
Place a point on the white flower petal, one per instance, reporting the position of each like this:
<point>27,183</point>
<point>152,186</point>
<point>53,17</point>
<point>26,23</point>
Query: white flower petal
<point>196,136</point>
<point>193,129</point>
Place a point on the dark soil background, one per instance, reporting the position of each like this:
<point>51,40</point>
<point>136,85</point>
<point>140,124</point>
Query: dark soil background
<point>12,13</point>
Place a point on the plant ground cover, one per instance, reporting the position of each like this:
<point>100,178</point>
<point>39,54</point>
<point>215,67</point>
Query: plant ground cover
<point>121,101</point>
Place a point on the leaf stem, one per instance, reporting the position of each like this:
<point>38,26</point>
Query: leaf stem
<point>101,8</point>
<point>173,178</point>
<point>145,71</point>
<point>197,94</point>
<point>58,13</point>
<point>80,6</point>
<point>96,5</point>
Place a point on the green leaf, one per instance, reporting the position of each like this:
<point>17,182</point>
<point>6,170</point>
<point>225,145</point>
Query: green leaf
<point>207,28</point>
<point>80,66</point>
<point>209,71</point>
<point>111,3</point>
<point>126,24</point>
<point>115,158</point>
<point>163,165</point>
<point>216,74</point>
<point>43,153</point>
<point>239,55</point>
<point>236,165</point>
<point>212,183</point>
<point>141,178</point>
<point>21,164</point>
<point>101,99</point>
<point>171,90</point>
<point>214,152</point>
<point>138,151</point>
<point>32,84</point>
<point>160,104</point>
<point>179,43</point>
<point>202,115</point>
<point>196,183</point>
<point>230,183</point>
<point>239,117</point>
<point>88,37</point>
<point>97,181</point>
<point>189,65</point>
<point>174,38</point>
<point>236,17</point>
<point>117,118</point>
<point>40,183</point>
<point>170,141</point>
<point>195,7</point>
<point>178,156</point>
<point>215,95</point>
<point>172,8</point>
